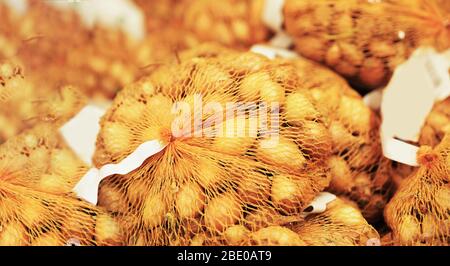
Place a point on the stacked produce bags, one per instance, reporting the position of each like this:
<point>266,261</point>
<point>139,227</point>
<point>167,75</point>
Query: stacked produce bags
<point>258,145</point>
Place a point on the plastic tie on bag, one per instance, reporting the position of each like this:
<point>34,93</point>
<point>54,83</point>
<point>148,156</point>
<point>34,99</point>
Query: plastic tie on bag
<point>81,132</point>
<point>319,204</point>
<point>414,88</point>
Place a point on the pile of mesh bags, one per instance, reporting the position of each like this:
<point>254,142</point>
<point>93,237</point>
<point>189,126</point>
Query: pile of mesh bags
<point>101,60</point>
<point>98,60</point>
<point>232,177</point>
<point>362,40</point>
<point>38,171</point>
<point>250,143</point>
<point>37,174</point>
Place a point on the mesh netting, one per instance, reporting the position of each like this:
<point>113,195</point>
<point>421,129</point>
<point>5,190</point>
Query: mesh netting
<point>342,224</point>
<point>234,23</point>
<point>38,158</point>
<point>45,219</point>
<point>418,214</point>
<point>437,122</point>
<point>57,49</point>
<point>358,169</point>
<point>431,134</point>
<point>365,40</point>
<point>24,104</point>
<point>200,185</point>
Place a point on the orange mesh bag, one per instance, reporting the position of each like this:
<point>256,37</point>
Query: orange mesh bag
<point>365,40</point>
<point>33,218</point>
<point>436,124</point>
<point>418,214</point>
<point>357,165</point>
<point>342,224</point>
<point>219,175</point>
<point>38,158</point>
<point>234,23</point>
<point>57,48</point>
<point>23,104</point>
<point>160,13</point>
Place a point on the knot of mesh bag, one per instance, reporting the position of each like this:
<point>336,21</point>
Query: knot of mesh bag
<point>427,157</point>
<point>242,155</point>
<point>418,213</point>
<point>45,219</point>
<point>364,40</point>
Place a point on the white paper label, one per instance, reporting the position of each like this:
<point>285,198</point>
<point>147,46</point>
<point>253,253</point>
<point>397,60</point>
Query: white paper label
<point>273,18</point>
<point>373,99</point>
<point>319,204</point>
<point>87,187</point>
<point>80,133</point>
<point>19,6</point>
<point>122,14</point>
<point>273,52</point>
<point>273,14</point>
<point>408,99</point>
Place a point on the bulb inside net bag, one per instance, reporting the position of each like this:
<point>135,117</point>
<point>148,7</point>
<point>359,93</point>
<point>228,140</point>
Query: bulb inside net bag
<point>340,224</point>
<point>418,214</point>
<point>234,23</point>
<point>32,218</point>
<point>365,40</point>
<point>39,158</point>
<point>56,47</point>
<point>23,104</point>
<point>359,170</point>
<point>214,172</point>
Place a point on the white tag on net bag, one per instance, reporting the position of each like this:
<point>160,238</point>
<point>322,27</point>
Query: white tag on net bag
<point>408,99</point>
<point>273,18</point>
<point>122,14</point>
<point>319,204</point>
<point>272,52</point>
<point>80,133</point>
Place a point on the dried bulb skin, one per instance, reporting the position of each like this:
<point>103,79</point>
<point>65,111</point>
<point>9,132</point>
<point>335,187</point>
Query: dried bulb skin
<point>362,40</point>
